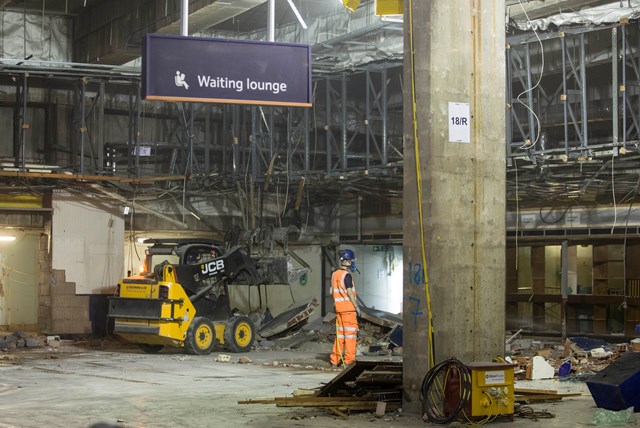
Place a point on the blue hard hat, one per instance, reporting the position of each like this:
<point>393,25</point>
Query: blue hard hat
<point>348,255</point>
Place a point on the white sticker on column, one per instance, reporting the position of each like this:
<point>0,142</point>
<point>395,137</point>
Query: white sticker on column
<point>459,123</point>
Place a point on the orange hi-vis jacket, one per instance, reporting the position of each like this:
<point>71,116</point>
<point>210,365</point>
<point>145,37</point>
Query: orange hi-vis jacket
<point>339,292</point>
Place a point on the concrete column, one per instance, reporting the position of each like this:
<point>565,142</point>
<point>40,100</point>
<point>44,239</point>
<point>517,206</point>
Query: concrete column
<point>459,56</point>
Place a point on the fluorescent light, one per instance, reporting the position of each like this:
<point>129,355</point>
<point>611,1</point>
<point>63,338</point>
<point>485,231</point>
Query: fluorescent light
<point>141,240</point>
<point>295,10</point>
<point>7,238</point>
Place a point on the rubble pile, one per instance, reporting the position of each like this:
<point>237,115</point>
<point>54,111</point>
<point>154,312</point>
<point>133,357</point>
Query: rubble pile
<point>18,339</point>
<point>578,358</point>
<point>380,332</point>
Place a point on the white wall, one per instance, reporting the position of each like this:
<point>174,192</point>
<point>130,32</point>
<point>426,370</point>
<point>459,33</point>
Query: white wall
<point>19,278</point>
<point>379,283</point>
<point>87,242</point>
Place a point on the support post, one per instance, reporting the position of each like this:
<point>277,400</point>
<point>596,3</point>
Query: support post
<point>307,157</point>
<point>344,136</point>
<point>564,260</point>
<point>184,18</point>
<point>83,123</point>
<point>207,137</point>
<point>454,192</point>
<point>328,130</point>
<point>614,86</point>
<point>384,112</point>
<point>101,130</point>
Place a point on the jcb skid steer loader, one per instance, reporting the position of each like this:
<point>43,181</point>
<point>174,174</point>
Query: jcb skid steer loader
<point>183,301</point>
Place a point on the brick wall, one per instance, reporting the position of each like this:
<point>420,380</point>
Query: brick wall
<point>60,311</point>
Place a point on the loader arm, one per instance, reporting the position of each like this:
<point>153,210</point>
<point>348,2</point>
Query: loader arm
<point>234,265</point>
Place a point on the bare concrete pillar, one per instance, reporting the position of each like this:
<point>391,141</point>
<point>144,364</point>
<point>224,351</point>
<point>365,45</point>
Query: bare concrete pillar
<point>459,57</point>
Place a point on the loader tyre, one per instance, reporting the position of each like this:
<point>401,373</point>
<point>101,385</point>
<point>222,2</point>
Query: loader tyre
<point>201,336</point>
<point>239,334</point>
<point>150,349</point>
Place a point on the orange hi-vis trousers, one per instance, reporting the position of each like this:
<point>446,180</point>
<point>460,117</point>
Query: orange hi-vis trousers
<point>346,338</point>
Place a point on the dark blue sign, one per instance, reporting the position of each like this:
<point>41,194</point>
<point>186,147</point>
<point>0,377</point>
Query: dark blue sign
<point>193,69</point>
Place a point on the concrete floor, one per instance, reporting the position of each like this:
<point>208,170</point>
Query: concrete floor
<point>75,386</point>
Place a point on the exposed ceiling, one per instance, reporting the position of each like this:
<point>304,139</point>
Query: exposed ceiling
<point>63,7</point>
<point>554,183</point>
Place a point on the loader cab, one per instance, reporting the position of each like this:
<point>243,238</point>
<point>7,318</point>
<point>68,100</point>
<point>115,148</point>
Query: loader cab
<point>189,251</point>
<point>180,252</point>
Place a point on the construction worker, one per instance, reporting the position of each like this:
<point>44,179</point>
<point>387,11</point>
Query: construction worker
<point>343,289</point>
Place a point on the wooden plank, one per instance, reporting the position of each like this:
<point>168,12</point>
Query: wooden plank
<point>152,179</point>
<point>544,392</point>
<point>268,401</point>
<point>351,374</point>
<point>310,399</point>
<point>363,404</point>
<point>339,413</point>
<point>57,175</point>
<point>88,177</point>
<point>533,398</point>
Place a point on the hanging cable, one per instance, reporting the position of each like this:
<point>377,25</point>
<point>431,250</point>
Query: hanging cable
<point>624,247</point>
<point>613,194</point>
<point>533,143</point>
<point>515,164</point>
<point>431,346</point>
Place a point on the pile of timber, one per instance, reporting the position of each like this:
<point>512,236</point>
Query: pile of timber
<point>364,386</point>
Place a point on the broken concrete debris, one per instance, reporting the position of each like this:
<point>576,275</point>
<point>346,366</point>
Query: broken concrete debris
<point>288,320</point>
<point>244,360</point>
<point>223,358</point>
<point>18,340</point>
<point>578,359</point>
<point>380,332</point>
<point>540,369</point>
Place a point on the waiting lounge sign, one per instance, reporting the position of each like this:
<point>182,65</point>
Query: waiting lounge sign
<point>193,69</point>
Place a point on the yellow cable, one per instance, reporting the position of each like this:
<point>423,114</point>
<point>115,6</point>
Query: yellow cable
<point>430,348</point>
<point>17,271</point>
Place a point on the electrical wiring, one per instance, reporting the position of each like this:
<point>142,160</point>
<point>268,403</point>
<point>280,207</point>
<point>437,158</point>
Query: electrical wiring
<point>414,104</point>
<point>533,144</point>
<point>556,221</point>
<point>17,271</point>
<point>433,393</point>
<point>515,164</point>
<point>613,195</point>
<point>624,245</point>
<point>30,284</point>
<point>537,121</point>
<point>527,412</point>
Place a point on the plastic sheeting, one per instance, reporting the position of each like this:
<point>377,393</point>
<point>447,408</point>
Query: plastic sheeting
<point>606,14</point>
<point>47,38</point>
<point>340,40</point>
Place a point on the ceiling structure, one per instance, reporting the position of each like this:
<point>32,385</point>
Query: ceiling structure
<point>547,166</point>
<point>572,129</point>
<point>61,7</point>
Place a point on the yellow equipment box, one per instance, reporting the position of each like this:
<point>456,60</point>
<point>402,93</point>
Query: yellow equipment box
<point>491,390</point>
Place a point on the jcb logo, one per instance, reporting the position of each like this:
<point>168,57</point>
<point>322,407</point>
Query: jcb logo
<point>212,267</point>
